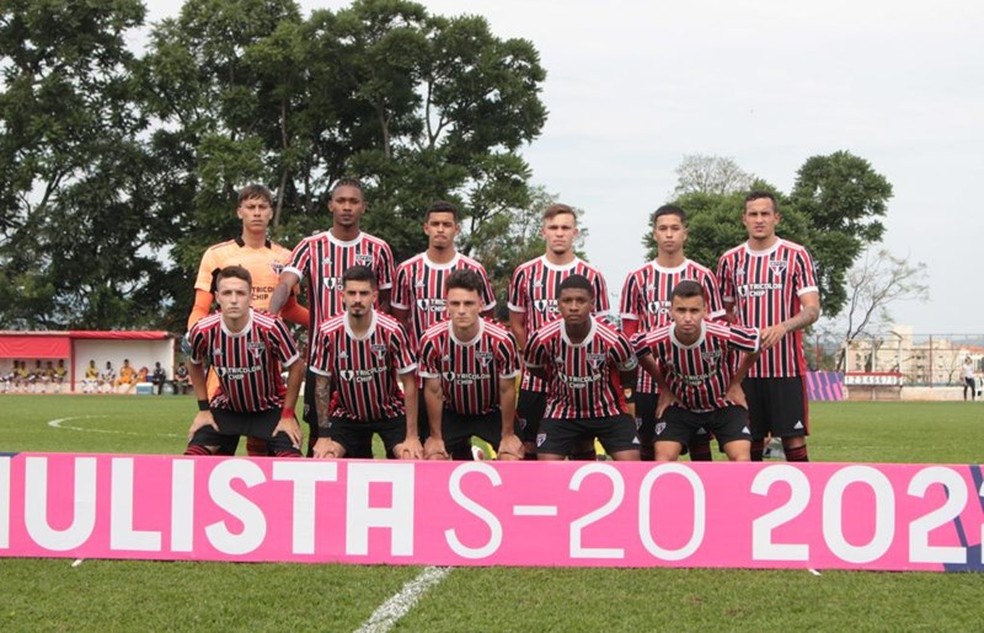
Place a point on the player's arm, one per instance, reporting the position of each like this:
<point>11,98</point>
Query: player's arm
<point>288,420</point>
<point>294,312</point>
<point>283,291</point>
<point>410,448</point>
<point>510,446</point>
<point>201,308</point>
<point>809,312</point>
<point>196,372</point>
<point>402,315</point>
<point>434,447</point>
<point>517,324</point>
<point>735,393</point>
<point>323,447</point>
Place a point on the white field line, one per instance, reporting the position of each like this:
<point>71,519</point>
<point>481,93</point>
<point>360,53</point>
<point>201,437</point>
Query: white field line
<point>400,604</point>
<point>59,423</point>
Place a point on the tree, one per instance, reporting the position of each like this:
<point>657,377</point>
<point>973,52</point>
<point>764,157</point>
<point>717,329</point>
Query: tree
<point>876,281</point>
<point>78,247</point>
<point>720,175</point>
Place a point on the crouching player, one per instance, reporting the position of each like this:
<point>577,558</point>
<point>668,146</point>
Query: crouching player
<point>357,356</point>
<point>585,363</point>
<point>469,367</point>
<point>695,363</point>
<point>246,350</point>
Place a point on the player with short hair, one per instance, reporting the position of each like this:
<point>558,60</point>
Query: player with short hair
<point>770,283</point>
<point>322,260</point>
<point>645,307</point>
<point>358,354</point>
<point>469,366</point>
<point>533,294</point>
<point>107,378</point>
<point>264,260</point>
<point>247,349</point>
<point>695,361</point>
<point>584,362</point>
<point>418,294</point>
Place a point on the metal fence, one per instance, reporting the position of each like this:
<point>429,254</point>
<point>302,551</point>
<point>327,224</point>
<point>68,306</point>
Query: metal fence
<point>921,359</point>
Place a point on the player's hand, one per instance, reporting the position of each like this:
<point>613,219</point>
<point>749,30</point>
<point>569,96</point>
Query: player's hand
<point>666,399</point>
<point>409,448</point>
<point>325,448</point>
<point>202,419</point>
<point>736,394</point>
<point>510,448</point>
<point>434,448</point>
<point>291,428</point>
<point>772,335</point>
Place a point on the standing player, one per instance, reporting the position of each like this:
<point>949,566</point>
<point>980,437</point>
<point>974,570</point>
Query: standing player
<point>469,367</point>
<point>418,295</point>
<point>262,258</point>
<point>533,294</point>
<point>246,349</point>
<point>584,362</point>
<point>695,362</point>
<point>359,354</point>
<point>322,259</point>
<point>646,307</point>
<point>770,283</point>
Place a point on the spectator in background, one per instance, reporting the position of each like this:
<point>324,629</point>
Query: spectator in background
<point>159,377</point>
<point>127,375</point>
<point>107,378</point>
<point>91,378</point>
<point>182,383</point>
<point>970,382</point>
<point>59,375</point>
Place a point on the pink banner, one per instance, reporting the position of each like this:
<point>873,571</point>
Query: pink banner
<point>817,515</point>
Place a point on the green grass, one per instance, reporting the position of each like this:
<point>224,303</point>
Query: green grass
<point>51,595</point>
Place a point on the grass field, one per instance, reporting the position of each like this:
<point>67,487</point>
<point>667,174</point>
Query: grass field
<point>52,595</point>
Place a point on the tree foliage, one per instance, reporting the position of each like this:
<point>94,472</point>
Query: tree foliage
<point>720,175</point>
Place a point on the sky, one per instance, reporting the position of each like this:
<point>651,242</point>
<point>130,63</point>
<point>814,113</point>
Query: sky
<point>634,86</point>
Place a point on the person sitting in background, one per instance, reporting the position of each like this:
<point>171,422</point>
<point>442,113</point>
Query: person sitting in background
<point>91,378</point>
<point>141,375</point>
<point>127,376</point>
<point>159,377</point>
<point>22,378</point>
<point>182,382</point>
<point>107,378</point>
<point>59,375</point>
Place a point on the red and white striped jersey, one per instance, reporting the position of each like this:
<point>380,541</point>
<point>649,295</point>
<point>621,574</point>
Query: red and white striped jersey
<point>469,370</point>
<point>583,378</point>
<point>765,287</point>
<point>534,290</point>
<point>699,374</point>
<point>419,289</point>
<point>247,363</point>
<point>363,370</point>
<point>646,299</point>
<point>323,259</point>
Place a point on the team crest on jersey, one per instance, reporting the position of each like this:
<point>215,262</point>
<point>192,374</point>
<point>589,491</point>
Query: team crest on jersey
<point>363,259</point>
<point>379,350</point>
<point>712,357</point>
<point>484,357</point>
<point>541,438</point>
<point>596,360</point>
<point>346,374</point>
<point>777,267</point>
<point>278,267</point>
<point>660,427</point>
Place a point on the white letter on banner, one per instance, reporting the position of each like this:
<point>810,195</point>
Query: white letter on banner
<point>483,513</point>
<point>36,505</point>
<point>920,551</point>
<point>700,511</point>
<point>122,536</point>
<point>254,523</point>
<point>577,550</point>
<point>360,517</point>
<point>799,497</point>
<point>833,508</point>
<point>304,475</point>
<point>182,505</point>
<point>4,502</point>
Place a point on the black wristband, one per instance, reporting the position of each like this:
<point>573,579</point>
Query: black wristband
<point>203,405</point>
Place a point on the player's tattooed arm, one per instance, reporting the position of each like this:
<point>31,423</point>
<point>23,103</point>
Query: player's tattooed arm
<point>809,312</point>
<point>322,400</point>
<point>282,292</point>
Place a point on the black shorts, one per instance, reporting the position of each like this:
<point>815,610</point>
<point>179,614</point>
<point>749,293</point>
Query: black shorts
<point>777,407</point>
<point>458,429</point>
<point>616,434</point>
<point>363,451</point>
<point>685,427</point>
<point>233,424</point>
<point>530,408</point>
<point>355,433</point>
